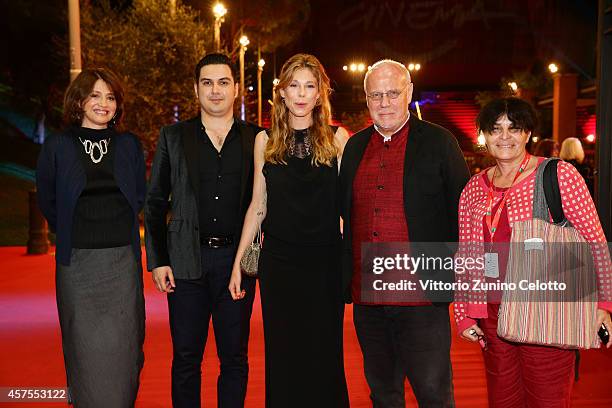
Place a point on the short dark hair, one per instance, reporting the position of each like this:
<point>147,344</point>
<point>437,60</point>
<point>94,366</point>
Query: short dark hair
<point>519,112</point>
<point>81,88</point>
<point>546,148</point>
<point>215,58</point>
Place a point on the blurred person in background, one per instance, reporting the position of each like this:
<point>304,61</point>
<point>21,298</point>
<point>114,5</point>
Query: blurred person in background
<point>546,148</point>
<point>573,153</point>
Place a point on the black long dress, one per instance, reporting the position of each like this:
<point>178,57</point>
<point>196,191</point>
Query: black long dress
<point>300,283</point>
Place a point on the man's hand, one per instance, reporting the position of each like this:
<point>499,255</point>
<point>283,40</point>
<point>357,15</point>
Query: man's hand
<point>163,279</point>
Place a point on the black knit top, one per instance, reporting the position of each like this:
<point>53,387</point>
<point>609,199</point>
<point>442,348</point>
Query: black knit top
<point>103,217</point>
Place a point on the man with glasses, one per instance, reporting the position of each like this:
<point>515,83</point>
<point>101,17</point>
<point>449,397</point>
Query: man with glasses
<point>400,182</point>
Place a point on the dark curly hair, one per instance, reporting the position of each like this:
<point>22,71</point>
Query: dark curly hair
<point>81,88</point>
<point>519,112</point>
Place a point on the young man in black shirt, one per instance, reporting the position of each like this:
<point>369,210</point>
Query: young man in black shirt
<point>202,175</point>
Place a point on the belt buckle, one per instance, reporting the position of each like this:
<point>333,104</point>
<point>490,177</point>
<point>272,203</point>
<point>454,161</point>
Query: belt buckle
<point>212,244</point>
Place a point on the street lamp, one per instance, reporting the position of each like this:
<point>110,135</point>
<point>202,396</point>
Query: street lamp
<point>513,86</point>
<point>219,11</point>
<point>260,65</point>
<point>414,66</point>
<point>355,67</point>
<point>553,68</point>
<point>74,28</point>
<point>244,41</point>
<point>481,139</point>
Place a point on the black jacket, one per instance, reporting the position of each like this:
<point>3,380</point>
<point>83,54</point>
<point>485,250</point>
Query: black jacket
<point>60,180</point>
<point>174,188</point>
<point>435,173</point>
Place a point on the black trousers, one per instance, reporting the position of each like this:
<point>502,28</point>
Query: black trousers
<point>190,308</point>
<point>406,341</point>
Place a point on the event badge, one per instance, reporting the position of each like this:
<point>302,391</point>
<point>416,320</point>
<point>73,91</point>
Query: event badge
<point>491,265</point>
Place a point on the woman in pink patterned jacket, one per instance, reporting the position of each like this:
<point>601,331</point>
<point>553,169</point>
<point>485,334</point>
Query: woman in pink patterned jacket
<point>519,375</point>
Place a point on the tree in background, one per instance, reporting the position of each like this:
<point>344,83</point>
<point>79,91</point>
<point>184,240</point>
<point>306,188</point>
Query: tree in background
<point>153,49</point>
<point>272,24</point>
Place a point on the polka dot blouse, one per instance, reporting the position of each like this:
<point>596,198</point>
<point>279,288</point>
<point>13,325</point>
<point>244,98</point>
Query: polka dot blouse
<point>578,208</point>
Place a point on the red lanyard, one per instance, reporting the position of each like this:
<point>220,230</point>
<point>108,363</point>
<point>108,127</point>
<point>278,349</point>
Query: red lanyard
<point>492,223</point>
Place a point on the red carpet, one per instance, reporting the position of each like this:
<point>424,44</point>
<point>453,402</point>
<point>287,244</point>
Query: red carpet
<point>32,356</point>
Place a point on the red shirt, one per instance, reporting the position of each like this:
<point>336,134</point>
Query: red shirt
<point>377,213</point>
<point>503,234</point>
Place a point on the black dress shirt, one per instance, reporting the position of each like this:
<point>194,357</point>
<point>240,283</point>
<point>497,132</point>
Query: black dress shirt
<point>220,173</point>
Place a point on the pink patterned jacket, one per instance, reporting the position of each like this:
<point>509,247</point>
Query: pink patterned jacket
<point>578,208</point>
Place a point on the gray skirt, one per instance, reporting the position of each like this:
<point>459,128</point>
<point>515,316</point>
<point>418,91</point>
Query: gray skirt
<point>102,317</point>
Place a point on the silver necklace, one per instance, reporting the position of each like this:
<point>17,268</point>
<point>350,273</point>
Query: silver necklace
<point>91,147</point>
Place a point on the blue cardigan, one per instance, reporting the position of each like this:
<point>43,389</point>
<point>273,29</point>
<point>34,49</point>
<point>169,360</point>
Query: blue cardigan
<point>60,180</point>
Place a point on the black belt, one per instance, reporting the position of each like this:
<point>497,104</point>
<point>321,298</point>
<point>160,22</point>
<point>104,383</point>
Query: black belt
<point>217,242</point>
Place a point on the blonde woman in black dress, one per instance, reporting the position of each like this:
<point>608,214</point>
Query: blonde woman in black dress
<point>295,202</point>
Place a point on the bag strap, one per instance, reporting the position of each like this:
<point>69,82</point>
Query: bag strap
<point>546,195</point>
<point>540,207</point>
<point>552,193</point>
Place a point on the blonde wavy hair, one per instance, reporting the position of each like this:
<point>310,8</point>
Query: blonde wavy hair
<point>323,148</point>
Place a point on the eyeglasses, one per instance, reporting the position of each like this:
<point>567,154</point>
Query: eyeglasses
<point>497,131</point>
<point>392,94</point>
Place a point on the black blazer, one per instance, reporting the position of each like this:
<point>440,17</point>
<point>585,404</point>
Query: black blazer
<point>60,180</point>
<point>174,188</point>
<point>435,173</point>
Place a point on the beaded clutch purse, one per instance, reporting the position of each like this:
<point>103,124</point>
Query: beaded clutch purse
<point>250,259</point>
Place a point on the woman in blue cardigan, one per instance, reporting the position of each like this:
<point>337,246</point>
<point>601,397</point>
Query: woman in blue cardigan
<point>91,185</point>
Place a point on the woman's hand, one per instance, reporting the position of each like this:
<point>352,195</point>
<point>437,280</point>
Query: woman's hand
<point>254,215</point>
<point>234,285</point>
<point>604,317</point>
<point>472,333</point>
